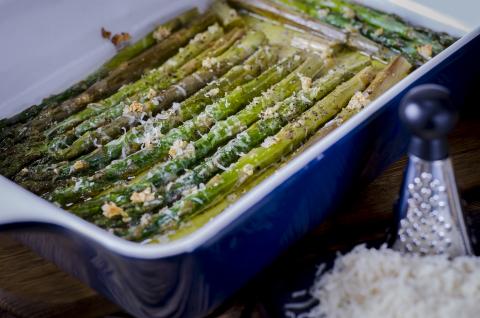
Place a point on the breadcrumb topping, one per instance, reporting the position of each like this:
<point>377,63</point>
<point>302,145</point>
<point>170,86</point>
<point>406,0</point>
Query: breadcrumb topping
<point>111,210</point>
<point>79,165</point>
<point>144,196</point>
<point>425,51</point>
<point>135,107</point>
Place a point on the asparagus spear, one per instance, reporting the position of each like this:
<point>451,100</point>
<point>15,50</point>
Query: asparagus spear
<point>134,113</point>
<point>285,141</point>
<point>383,21</point>
<point>117,77</point>
<point>273,119</point>
<point>397,69</point>
<point>147,157</point>
<point>125,73</point>
<point>127,53</point>
<point>146,134</point>
<point>164,172</point>
<point>216,49</point>
<point>160,77</point>
<point>386,38</point>
<point>284,15</point>
<point>228,16</point>
<point>275,116</point>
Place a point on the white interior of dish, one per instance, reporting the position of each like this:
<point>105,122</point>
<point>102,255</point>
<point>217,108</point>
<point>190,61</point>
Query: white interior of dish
<point>75,48</point>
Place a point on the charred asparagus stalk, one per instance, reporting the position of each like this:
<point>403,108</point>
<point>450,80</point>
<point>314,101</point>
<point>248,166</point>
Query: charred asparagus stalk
<point>285,141</point>
<point>283,14</point>
<point>160,33</point>
<point>350,24</point>
<point>135,112</point>
<point>154,82</point>
<point>164,172</point>
<point>215,50</point>
<point>145,158</point>
<point>125,73</point>
<point>274,117</point>
<point>157,79</point>
<point>148,134</point>
<point>390,75</point>
<point>383,21</point>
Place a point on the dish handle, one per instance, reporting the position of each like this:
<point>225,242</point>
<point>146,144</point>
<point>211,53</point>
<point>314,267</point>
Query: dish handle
<point>16,207</point>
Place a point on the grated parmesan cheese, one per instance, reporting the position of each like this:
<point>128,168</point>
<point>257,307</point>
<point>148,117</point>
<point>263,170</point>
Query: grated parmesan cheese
<point>322,13</point>
<point>181,148</point>
<point>144,196</point>
<point>151,93</point>
<point>161,33</point>
<point>349,13</point>
<point>358,101</point>
<point>379,283</point>
<point>212,92</point>
<point>111,210</point>
<point>145,219</point>
<point>269,141</point>
<point>210,62</point>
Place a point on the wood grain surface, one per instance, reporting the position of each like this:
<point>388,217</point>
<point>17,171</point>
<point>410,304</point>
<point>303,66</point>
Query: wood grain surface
<point>31,287</point>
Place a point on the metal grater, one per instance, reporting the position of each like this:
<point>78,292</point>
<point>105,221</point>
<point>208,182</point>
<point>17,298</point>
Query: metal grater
<point>431,218</point>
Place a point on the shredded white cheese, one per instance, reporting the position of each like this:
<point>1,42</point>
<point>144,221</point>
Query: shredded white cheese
<point>212,92</point>
<point>210,62</point>
<point>358,101</point>
<point>151,93</point>
<point>181,90</point>
<point>269,141</point>
<point>161,33</point>
<point>145,219</point>
<point>322,13</point>
<point>181,148</point>
<point>384,283</point>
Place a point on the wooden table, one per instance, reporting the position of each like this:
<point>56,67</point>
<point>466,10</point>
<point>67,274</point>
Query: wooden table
<point>31,287</point>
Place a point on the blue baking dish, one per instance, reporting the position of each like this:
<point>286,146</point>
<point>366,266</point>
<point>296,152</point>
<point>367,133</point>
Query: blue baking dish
<point>191,276</point>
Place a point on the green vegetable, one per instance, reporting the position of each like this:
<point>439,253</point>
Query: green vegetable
<point>285,141</point>
<point>134,139</point>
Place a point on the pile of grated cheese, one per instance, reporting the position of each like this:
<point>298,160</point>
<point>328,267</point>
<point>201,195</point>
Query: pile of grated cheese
<point>386,284</point>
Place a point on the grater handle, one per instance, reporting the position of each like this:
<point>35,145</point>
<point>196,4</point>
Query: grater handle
<point>429,114</point>
<point>430,215</point>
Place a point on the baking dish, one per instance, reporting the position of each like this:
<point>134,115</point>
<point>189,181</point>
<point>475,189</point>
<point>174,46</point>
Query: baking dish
<point>193,275</point>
